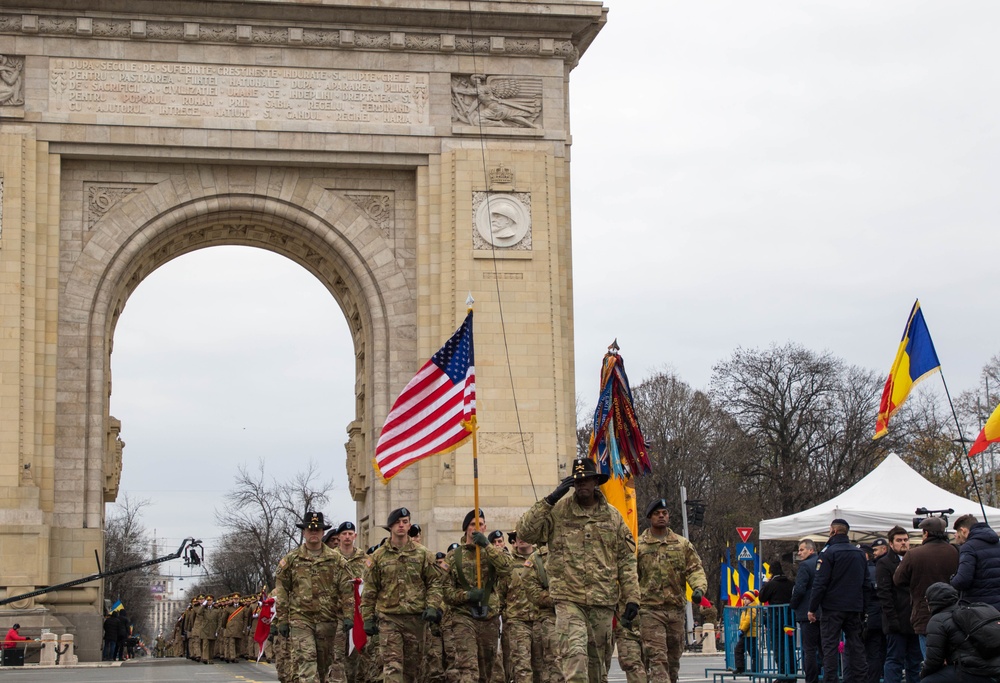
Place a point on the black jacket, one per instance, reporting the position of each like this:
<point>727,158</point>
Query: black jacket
<point>804,580</point>
<point>123,624</point>
<point>841,583</point>
<point>874,608</point>
<point>111,627</point>
<point>777,591</point>
<point>978,575</point>
<point>894,600</point>
<point>946,644</point>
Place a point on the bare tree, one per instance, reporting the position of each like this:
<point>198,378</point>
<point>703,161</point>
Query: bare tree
<point>126,543</point>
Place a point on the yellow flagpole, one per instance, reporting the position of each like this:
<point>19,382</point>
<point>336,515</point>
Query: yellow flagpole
<point>475,490</point>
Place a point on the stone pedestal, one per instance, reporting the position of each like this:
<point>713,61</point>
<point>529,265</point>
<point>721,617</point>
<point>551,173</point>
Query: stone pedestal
<point>66,645</point>
<point>49,642</point>
<point>708,644</point>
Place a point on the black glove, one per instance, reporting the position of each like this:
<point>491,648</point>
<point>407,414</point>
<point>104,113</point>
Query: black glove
<point>564,486</point>
<point>631,612</point>
<point>283,629</point>
<point>431,615</point>
<point>348,624</point>
<point>475,595</point>
<point>696,596</point>
<point>479,538</point>
<point>371,628</point>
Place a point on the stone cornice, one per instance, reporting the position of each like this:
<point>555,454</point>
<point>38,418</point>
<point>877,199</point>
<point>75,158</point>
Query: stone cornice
<point>305,35</point>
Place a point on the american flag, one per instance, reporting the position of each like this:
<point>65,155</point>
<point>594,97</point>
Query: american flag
<point>436,411</point>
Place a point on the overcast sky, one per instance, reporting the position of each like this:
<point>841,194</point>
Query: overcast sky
<point>744,173</point>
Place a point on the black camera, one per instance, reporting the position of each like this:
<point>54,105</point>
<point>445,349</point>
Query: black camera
<point>943,514</point>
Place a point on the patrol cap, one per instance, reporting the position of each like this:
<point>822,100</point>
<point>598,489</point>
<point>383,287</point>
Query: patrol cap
<point>841,522</point>
<point>584,468</point>
<point>494,535</point>
<point>346,526</point>
<point>313,521</point>
<point>414,531</point>
<point>395,516</point>
<point>658,504</point>
<point>468,518</point>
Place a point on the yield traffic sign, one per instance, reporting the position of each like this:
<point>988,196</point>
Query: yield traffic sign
<point>744,532</point>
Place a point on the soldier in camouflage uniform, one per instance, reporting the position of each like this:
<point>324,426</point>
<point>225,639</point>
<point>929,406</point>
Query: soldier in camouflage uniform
<point>591,564</point>
<point>519,615</point>
<point>356,564</point>
<point>631,658</point>
<point>474,622</point>
<point>545,658</point>
<point>434,661</point>
<point>315,605</point>
<point>402,594</point>
<point>666,564</point>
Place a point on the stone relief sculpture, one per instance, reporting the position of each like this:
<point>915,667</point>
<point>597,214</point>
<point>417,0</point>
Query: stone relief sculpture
<point>11,81</point>
<point>505,101</point>
<point>502,221</point>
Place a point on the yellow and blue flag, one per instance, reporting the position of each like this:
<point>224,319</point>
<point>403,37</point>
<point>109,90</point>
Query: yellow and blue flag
<point>915,360</point>
<point>117,606</point>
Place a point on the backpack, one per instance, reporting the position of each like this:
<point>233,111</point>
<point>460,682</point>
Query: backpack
<point>980,623</point>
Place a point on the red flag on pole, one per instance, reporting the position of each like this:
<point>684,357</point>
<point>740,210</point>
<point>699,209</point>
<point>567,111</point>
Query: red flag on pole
<point>264,626</point>
<point>358,638</point>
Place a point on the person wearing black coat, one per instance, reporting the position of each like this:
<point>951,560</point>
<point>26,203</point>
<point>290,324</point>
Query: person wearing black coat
<point>978,575</point>
<point>776,592</point>
<point>951,656</point>
<point>812,652</point>
<point>842,590</point>
<point>902,644</point>
<point>123,634</point>
<point>110,637</point>
<point>873,637</point>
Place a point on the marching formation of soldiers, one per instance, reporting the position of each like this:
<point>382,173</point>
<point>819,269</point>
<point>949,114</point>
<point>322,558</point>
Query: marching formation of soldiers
<point>548,609</point>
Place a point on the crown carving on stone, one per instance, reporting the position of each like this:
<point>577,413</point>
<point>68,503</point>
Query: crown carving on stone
<point>501,175</point>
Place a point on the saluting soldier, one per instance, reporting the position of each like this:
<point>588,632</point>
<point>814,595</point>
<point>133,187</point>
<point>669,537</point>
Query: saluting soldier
<point>591,565</point>
<point>402,593</point>
<point>315,604</point>
<point>211,620</point>
<point>667,564</point>
<point>474,624</point>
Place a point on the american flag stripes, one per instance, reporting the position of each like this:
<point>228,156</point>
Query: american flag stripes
<point>436,412</point>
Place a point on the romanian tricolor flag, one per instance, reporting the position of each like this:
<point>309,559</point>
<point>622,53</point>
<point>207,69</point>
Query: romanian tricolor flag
<point>915,359</point>
<point>990,434</point>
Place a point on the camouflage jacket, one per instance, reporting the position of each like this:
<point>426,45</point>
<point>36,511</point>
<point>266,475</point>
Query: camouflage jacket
<point>536,583</point>
<point>401,581</point>
<point>356,562</point>
<point>495,567</point>
<point>314,589</point>
<point>591,551</point>
<point>665,566</point>
<point>517,604</point>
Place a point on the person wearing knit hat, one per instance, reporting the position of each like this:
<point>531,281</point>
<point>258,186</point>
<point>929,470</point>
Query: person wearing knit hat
<point>667,563</point>
<point>747,639</point>
<point>474,625</point>
<point>402,595</point>
<point>591,568</point>
<point>314,593</point>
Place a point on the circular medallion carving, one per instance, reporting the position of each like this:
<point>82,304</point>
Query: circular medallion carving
<point>502,220</point>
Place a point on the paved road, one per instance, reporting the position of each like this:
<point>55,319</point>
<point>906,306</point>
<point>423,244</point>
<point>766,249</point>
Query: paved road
<point>184,671</point>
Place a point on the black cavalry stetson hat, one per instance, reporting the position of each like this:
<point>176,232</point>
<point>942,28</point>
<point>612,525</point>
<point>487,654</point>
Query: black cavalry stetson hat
<point>313,521</point>
<point>584,468</point>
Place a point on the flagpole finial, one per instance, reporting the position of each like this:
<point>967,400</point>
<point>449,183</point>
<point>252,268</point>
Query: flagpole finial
<point>469,300</point>
<point>614,348</point>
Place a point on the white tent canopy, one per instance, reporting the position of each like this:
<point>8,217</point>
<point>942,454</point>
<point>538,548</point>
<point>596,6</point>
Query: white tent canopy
<point>887,496</point>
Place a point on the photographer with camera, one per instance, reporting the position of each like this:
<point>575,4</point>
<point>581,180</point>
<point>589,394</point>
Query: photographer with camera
<point>933,561</point>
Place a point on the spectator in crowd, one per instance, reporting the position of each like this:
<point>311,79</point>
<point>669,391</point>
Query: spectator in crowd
<point>902,644</point>
<point>951,655</point>
<point>873,637</point>
<point>812,651</point>
<point>841,589</point>
<point>747,640</point>
<point>124,631</point>
<point>778,591</point>
<point>110,637</point>
<point>12,638</point>
<point>935,560</point>
<point>978,575</point>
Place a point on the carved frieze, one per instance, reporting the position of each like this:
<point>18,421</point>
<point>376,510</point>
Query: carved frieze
<point>378,206</point>
<point>102,197</point>
<point>501,220</point>
<point>498,101</point>
<point>113,460</point>
<point>506,443</point>
<point>11,81</point>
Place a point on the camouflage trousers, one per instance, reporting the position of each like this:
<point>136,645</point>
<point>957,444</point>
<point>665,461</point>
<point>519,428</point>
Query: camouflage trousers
<point>279,652</point>
<point>520,642</point>
<point>548,664</point>
<point>584,641</point>
<point>663,640</point>
<point>433,670</point>
<point>370,667</point>
<point>630,654</point>
<point>401,637</point>
<point>471,648</point>
<point>314,652</point>
<point>351,667</point>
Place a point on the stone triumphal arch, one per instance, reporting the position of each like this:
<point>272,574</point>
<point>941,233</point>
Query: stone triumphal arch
<point>405,153</point>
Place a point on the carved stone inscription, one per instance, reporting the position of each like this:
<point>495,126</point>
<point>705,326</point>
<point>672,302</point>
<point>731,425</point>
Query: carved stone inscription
<point>201,94</point>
